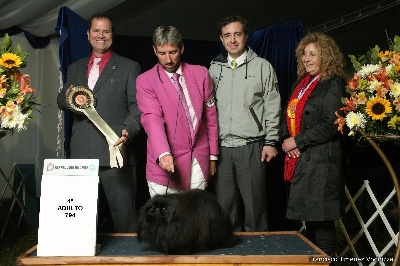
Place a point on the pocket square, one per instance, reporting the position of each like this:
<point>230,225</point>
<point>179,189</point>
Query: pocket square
<point>115,81</point>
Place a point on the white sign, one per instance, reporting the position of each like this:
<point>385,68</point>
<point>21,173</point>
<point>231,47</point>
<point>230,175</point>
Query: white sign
<point>68,208</point>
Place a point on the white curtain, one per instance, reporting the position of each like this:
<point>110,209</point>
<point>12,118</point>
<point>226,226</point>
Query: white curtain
<point>39,141</point>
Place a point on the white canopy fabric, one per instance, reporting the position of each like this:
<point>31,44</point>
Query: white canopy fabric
<point>39,17</point>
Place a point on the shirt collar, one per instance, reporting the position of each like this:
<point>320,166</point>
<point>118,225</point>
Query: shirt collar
<point>240,60</point>
<point>104,58</point>
<point>178,71</point>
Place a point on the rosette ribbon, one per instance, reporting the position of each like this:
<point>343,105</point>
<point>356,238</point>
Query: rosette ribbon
<point>81,100</point>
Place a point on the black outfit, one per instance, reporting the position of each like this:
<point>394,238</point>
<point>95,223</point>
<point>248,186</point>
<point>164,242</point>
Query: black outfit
<point>317,189</point>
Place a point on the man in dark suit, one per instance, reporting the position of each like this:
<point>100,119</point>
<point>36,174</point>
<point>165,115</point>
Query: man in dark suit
<point>115,93</point>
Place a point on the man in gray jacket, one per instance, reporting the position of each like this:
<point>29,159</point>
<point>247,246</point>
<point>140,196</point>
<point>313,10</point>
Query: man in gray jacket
<point>249,107</point>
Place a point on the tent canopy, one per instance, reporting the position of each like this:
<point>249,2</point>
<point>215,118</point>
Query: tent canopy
<point>355,25</point>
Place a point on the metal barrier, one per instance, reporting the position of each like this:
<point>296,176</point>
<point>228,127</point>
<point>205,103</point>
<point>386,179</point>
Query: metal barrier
<point>380,255</point>
<point>17,200</point>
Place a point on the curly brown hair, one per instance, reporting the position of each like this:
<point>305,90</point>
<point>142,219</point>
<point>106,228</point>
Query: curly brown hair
<point>332,61</point>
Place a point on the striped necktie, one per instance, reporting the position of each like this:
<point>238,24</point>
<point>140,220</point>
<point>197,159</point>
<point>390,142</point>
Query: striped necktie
<point>178,87</point>
<point>94,73</point>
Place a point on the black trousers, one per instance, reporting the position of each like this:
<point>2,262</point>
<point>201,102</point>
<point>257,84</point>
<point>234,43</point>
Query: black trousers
<point>241,176</point>
<point>119,185</point>
<point>323,235</point>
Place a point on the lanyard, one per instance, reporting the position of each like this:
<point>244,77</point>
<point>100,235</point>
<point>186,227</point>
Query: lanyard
<point>303,90</point>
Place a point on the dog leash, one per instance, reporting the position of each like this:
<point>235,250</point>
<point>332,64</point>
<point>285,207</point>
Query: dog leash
<point>169,177</point>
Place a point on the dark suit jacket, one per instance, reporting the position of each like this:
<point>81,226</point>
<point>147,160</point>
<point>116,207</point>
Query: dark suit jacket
<point>115,93</point>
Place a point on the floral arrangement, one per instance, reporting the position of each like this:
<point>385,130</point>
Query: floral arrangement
<point>373,104</point>
<point>17,99</point>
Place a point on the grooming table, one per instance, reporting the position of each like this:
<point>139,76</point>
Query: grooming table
<point>257,248</point>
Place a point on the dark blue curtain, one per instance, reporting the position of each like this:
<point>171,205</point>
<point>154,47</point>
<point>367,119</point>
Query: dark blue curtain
<point>278,44</point>
<point>74,45</point>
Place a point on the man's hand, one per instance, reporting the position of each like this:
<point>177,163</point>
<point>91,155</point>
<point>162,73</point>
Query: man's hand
<point>212,167</point>
<point>123,139</point>
<point>268,153</point>
<point>167,163</point>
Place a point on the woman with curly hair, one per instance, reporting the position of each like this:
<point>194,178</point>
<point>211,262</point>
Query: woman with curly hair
<point>313,159</point>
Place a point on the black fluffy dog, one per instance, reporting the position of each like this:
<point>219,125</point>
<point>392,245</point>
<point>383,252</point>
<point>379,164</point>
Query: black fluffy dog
<point>185,223</point>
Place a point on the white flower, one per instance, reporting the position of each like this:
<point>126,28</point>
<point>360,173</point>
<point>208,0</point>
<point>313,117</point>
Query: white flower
<point>390,68</point>
<point>395,89</point>
<point>355,120</point>
<point>15,120</point>
<point>373,85</point>
<point>368,70</point>
<point>21,120</point>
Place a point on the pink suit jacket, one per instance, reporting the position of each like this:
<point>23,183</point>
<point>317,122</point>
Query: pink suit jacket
<point>165,123</point>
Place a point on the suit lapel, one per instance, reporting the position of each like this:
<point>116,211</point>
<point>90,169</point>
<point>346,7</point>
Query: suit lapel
<point>82,68</point>
<point>168,87</point>
<point>109,68</point>
<point>193,90</point>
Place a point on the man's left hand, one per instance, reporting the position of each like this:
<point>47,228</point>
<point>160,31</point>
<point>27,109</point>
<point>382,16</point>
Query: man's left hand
<point>123,139</point>
<point>212,167</point>
<point>268,153</point>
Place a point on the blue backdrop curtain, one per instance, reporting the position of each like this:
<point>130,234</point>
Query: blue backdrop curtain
<point>276,44</point>
<point>73,46</point>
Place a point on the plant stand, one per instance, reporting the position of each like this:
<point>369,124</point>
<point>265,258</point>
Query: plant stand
<point>394,235</point>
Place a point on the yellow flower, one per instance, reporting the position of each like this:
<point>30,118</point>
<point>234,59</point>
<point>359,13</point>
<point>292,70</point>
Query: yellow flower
<point>3,92</point>
<point>394,122</point>
<point>10,60</point>
<point>384,56</point>
<point>17,100</point>
<point>377,108</point>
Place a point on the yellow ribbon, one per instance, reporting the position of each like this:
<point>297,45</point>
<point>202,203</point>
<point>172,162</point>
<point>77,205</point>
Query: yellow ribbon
<point>291,113</point>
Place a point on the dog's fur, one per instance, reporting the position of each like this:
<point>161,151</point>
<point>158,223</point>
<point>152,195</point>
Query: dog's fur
<point>185,223</point>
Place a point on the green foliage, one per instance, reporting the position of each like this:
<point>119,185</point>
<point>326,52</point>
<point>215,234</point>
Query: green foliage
<point>371,56</point>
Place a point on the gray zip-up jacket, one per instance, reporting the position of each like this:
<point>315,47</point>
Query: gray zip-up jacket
<point>247,99</point>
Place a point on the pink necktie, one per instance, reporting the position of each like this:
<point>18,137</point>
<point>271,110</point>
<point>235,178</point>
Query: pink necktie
<point>178,87</point>
<point>94,73</point>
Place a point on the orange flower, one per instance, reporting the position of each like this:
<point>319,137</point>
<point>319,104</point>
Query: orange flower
<point>3,111</point>
<point>350,105</point>
<point>340,122</point>
<point>8,109</point>
<point>3,81</point>
<point>25,82</point>
<point>382,77</point>
<point>395,59</point>
<point>381,91</point>
<point>353,83</point>
<point>361,98</point>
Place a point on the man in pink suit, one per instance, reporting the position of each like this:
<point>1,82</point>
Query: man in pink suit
<point>179,116</point>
